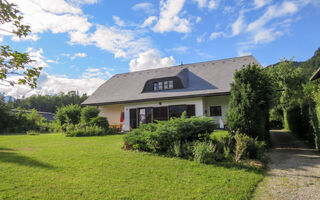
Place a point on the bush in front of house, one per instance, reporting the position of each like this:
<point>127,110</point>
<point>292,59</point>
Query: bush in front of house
<point>224,141</point>
<point>69,114</point>
<point>88,113</point>
<point>207,153</point>
<point>99,121</point>
<point>80,130</point>
<point>161,137</point>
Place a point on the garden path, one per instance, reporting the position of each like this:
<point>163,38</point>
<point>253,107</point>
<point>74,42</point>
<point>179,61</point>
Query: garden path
<point>293,170</point>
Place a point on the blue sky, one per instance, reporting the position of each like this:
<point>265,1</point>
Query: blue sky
<point>82,43</point>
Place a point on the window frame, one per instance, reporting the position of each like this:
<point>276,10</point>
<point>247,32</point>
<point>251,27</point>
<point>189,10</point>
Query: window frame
<point>165,85</point>
<point>155,86</point>
<point>214,113</point>
<point>170,84</point>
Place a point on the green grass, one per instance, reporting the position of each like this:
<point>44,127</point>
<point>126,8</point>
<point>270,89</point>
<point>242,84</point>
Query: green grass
<point>58,167</point>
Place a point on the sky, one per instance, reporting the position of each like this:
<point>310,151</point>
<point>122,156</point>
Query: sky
<point>82,43</point>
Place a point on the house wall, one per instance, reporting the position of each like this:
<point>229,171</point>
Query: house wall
<point>112,113</point>
<point>198,102</point>
<point>222,101</point>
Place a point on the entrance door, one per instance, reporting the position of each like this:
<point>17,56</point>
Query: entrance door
<point>133,118</point>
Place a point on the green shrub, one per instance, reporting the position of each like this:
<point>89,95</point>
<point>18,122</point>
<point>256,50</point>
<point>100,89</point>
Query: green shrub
<point>205,152</point>
<point>80,130</point>
<point>251,96</point>
<point>247,147</point>
<point>99,121</point>
<point>163,135</point>
<point>88,113</point>
<point>224,141</point>
<point>183,150</point>
<point>68,114</point>
<point>33,132</point>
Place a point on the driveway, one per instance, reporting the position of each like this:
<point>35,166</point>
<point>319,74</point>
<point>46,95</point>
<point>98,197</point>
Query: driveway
<point>294,170</point>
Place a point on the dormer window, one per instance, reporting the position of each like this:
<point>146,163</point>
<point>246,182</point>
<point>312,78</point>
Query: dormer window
<point>166,85</point>
<point>155,86</point>
<point>171,84</point>
<point>160,85</point>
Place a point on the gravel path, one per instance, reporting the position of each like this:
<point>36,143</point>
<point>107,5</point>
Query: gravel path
<point>294,170</point>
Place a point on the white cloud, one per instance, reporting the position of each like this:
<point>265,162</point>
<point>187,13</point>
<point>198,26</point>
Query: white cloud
<point>118,21</point>
<point>210,4</point>
<point>180,49</point>
<point>149,60</point>
<point>53,84</point>
<point>260,3</point>
<point>146,7</point>
<point>241,53</point>
<point>149,21</point>
<point>170,20</point>
<point>57,16</point>
<point>120,42</point>
<point>97,73</point>
<point>33,37</point>
<point>201,38</point>
<point>216,35</point>
<point>81,55</point>
<point>238,25</point>
<point>286,8</point>
<point>198,19</point>
<point>36,55</point>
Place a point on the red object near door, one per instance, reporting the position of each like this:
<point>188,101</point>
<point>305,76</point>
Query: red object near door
<point>122,117</point>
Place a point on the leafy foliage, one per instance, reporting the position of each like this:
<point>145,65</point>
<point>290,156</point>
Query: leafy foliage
<point>13,62</point>
<point>89,112</point>
<point>99,121</point>
<point>162,136</point>
<point>47,103</point>
<point>69,114</point>
<point>80,130</point>
<point>251,96</point>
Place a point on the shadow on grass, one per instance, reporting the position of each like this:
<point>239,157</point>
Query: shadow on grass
<point>227,163</point>
<point>10,156</point>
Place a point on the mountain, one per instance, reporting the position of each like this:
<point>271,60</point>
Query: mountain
<point>309,66</point>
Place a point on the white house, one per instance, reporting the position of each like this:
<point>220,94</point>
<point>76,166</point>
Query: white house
<point>200,89</point>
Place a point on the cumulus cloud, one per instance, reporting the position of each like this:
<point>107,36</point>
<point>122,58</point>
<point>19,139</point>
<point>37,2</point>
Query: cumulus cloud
<point>149,60</point>
<point>37,57</point>
<point>170,19</point>
<point>53,84</point>
<point>149,21</point>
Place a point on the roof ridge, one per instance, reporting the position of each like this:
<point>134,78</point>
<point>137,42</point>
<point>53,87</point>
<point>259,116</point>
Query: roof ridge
<point>162,68</point>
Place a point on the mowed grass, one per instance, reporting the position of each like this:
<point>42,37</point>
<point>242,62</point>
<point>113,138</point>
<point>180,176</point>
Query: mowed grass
<point>57,167</point>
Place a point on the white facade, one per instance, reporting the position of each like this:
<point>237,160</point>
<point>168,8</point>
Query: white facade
<point>202,108</point>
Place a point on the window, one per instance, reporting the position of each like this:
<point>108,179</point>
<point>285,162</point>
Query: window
<point>160,113</point>
<point>170,84</point>
<point>166,85</point>
<point>160,85</point>
<point>155,86</point>
<point>145,115</point>
<point>215,111</point>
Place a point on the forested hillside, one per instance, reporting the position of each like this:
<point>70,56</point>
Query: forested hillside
<point>48,103</point>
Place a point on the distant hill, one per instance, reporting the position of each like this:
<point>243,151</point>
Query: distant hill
<point>309,66</point>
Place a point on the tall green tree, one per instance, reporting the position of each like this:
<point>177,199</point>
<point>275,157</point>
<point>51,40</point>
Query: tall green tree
<point>251,96</point>
<point>13,62</point>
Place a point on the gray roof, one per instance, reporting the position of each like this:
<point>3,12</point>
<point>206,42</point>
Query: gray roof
<point>203,79</point>
<point>316,75</point>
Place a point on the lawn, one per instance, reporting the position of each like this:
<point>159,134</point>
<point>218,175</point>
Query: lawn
<point>57,167</point>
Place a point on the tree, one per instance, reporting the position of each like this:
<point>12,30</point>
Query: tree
<point>251,96</point>
<point>13,62</point>
<point>89,112</point>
